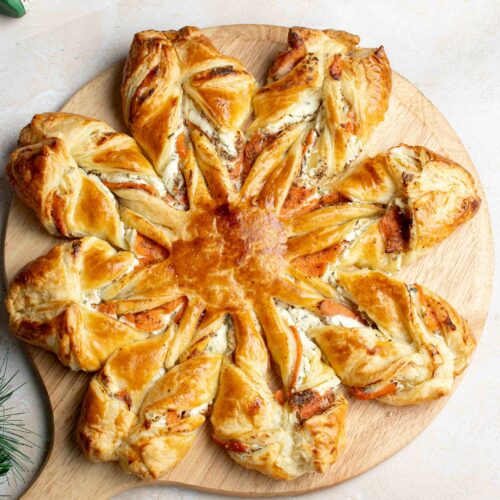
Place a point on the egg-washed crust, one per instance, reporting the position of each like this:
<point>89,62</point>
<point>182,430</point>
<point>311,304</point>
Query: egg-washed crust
<point>415,347</point>
<point>182,99</point>
<point>382,213</point>
<point>334,91</point>
<point>237,254</point>
<point>283,434</point>
<point>68,168</point>
<point>47,306</point>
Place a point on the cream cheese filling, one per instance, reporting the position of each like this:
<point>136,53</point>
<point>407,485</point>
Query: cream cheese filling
<point>353,148</point>
<point>225,139</point>
<point>120,177</point>
<point>300,111</point>
<point>221,339</point>
<point>166,319</point>
<point>93,297</point>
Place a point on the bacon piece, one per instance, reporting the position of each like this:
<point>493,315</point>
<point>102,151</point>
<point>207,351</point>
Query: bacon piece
<point>238,169</point>
<point>300,201</point>
<point>329,307</point>
<point>310,140</point>
<point>181,147</point>
<point>145,90</point>
<point>335,69</point>
<point>395,229</point>
<point>333,199</point>
<point>361,393</point>
<point>109,309</point>
<point>286,61</point>
<point>435,315</point>
<point>130,185</point>
<point>149,321</point>
<point>232,445</point>
<point>255,145</point>
<point>146,321</point>
<point>309,402</point>
<point>148,251</point>
<point>315,264</point>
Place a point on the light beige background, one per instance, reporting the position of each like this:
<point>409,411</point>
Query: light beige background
<point>449,49</point>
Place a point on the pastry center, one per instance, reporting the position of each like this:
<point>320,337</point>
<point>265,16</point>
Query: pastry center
<point>232,253</point>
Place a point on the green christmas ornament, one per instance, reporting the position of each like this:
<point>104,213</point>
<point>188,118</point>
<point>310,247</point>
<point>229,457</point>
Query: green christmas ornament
<point>14,8</point>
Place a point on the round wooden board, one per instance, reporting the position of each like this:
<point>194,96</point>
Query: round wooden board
<point>460,270</point>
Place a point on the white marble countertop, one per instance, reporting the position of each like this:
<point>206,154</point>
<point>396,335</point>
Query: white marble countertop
<point>449,49</point>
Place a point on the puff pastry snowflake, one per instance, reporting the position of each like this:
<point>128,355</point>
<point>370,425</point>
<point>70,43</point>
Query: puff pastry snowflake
<point>211,254</point>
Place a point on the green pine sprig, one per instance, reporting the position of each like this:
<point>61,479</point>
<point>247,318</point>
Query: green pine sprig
<point>14,435</point>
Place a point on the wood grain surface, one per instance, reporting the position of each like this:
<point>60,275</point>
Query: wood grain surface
<point>460,269</point>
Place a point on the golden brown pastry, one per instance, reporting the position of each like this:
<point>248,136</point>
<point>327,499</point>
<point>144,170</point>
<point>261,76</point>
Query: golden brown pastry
<point>433,194</point>
<point>116,393</point>
<point>159,411</point>
<point>177,404</point>
<point>386,211</point>
<point>178,93</point>
<point>241,255</point>
<point>67,202</point>
<point>74,202</point>
<point>332,92</point>
<point>297,429</point>
<point>218,281</point>
<point>50,303</point>
<point>410,349</point>
<point>98,149</point>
